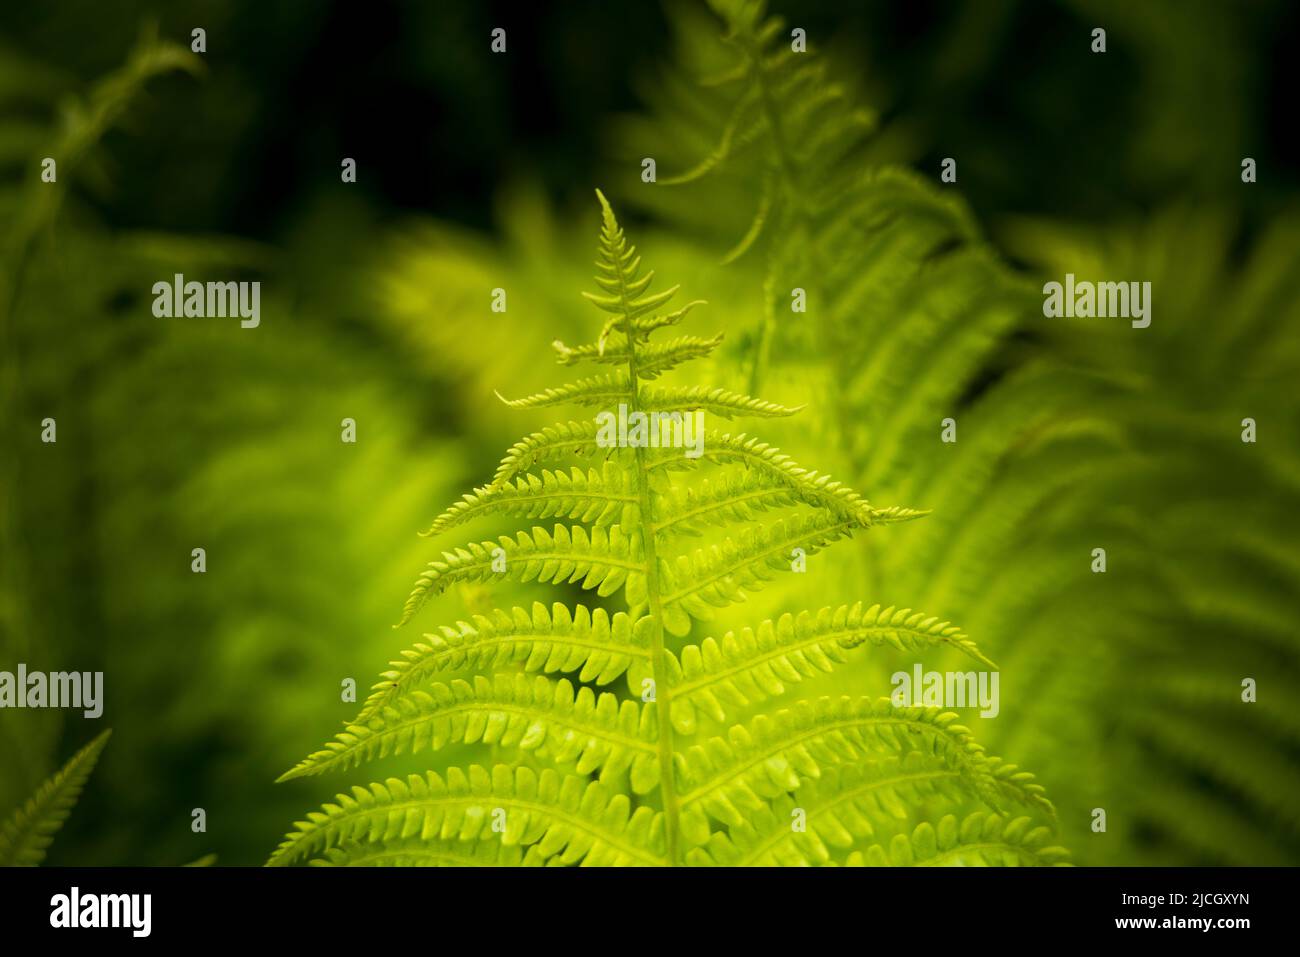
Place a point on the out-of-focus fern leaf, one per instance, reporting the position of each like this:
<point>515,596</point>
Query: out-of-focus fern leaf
<point>45,116</point>
<point>30,830</point>
<point>1209,776</point>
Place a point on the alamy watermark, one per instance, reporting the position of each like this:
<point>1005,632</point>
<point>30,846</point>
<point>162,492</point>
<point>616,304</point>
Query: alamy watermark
<point>54,689</point>
<point>1084,300</point>
<point>946,689</point>
<point>216,300</point>
<point>74,909</point>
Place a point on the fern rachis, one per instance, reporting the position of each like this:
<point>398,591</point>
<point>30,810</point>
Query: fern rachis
<point>687,767</point>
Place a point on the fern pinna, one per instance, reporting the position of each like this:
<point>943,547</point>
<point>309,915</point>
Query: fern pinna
<point>668,773</point>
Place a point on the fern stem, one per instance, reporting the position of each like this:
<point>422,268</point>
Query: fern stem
<point>659,662</point>
<point>659,668</point>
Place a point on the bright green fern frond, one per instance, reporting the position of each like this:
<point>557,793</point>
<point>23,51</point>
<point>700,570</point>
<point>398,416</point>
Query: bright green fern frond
<point>560,815</point>
<point>598,390</point>
<point>595,498</point>
<point>430,853</point>
<point>1014,787</point>
<point>594,733</point>
<point>733,496</point>
<point>846,805</point>
<point>601,559</point>
<point>892,514</point>
<point>633,308</point>
<point>721,574</point>
<point>621,268</point>
<point>981,840</point>
<point>773,755</point>
<point>652,361</point>
<point>667,792</point>
<point>753,665</point>
<point>812,488</point>
<point>556,441</point>
<point>643,327</point>
<point>718,402</point>
<point>597,646</point>
<point>30,830</point>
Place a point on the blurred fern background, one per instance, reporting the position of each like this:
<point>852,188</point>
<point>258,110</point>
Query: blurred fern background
<point>1120,691</point>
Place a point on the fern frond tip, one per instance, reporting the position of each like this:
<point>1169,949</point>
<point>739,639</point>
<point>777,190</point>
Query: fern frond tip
<point>607,211</point>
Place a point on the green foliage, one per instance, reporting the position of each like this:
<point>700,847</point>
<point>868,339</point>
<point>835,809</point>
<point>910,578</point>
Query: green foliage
<point>1202,525</point>
<point>30,830</point>
<point>683,765</point>
<point>979,840</point>
<point>174,434</point>
<point>1072,436</point>
<point>43,116</point>
<point>82,123</point>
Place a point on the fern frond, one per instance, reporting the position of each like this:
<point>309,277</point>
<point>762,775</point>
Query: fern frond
<point>604,560</point>
<point>595,498</point>
<point>29,831</point>
<point>732,496</point>
<point>621,268</point>
<point>1012,786</point>
<point>644,326</point>
<point>742,126</point>
<point>752,665</point>
<point>561,816</point>
<point>697,800</point>
<point>434,853</point>
<point>722,574</point>
<point>633,309</point>
<point>839,809</point>
<point>981,840</point>
<point>597,391</point>
<point>596,733</point>
<point>812,488</point>
<point>596,645</point>
<point>727,778</point>
<point>893,514</point>
<point>556,441</point>
<point>652,361</point>
<point>720,402</point>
